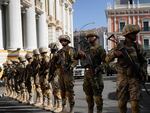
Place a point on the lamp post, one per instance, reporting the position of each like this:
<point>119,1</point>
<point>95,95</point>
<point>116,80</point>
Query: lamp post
<point>80,36</point>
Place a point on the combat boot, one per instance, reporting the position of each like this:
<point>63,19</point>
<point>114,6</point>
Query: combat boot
<point>58,107</point>
<point>24,98</point>
<point>71,109</point>
<point>49,106</point>
<point>135,107</point>
<point>40,103</point>
<point>30,101</point>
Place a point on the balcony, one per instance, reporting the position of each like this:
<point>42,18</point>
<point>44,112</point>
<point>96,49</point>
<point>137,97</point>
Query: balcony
<point>145,29</point>
<point>26,3</point>
<point>38,7</point>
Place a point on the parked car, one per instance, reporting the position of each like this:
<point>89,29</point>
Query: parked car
<point>78,72</point>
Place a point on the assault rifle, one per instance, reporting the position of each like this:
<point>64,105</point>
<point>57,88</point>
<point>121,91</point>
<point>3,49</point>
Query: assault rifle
<point>135,66</point>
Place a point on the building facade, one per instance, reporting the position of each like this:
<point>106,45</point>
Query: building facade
<point>29,24</point>
<point>129,12</point>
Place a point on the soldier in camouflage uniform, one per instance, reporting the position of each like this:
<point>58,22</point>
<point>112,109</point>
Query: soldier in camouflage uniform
<point>55,80</point>
<point>14,72</point>
<point>93,84</point>
<point>67,63</point>
<point>8,78</point>
<point>4,76</point>
<point>29,77</point>
<point>128,83</point>
<point>36,66</point>
<point>22,78</point>
<point>44,79</point>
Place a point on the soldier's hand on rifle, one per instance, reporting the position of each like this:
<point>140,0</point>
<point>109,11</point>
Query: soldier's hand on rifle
<point>81,54</point>
<point>118,53</point>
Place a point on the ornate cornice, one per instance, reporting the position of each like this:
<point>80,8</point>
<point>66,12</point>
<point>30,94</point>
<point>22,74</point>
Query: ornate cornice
<point>26,3</point>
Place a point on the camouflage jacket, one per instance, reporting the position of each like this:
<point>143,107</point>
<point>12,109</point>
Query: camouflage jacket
<point>44,66</point>
<point>66,59</point>
<point>135,52</point>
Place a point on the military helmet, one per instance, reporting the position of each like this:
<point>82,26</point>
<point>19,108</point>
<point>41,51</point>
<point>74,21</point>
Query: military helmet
<point>130,29</point>
<point>43,50</point>
<point>64,37</point>
<point>91,34</point>
<point>53,46</point>
<point>21,59</point>
<point>36,52</point>
<point>15,61</point>
<point>28,56</point>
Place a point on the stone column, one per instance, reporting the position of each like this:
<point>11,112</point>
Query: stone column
<point>43,29</point>
<point>31,37</point>
<point>51,10</point>
<point>71,26</point>
<point>57,10</point>
<point>1,30</point>
<point>64,17</point>
<point>15,27</point>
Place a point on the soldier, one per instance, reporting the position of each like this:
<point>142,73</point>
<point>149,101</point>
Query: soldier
<point>36,66</point>
<point>22,78</point>
<point>93,84</point>
<point>128,82</point>
<point>29,77</point>
<point>4,76</point>
<point>14,72</point>
<point>55,80</point>
<point>67,63</point>
<point>44,79</point>
<point>8,78</point>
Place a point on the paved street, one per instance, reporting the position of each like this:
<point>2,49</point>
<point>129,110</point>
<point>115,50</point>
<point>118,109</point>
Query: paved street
<point>8,105</point>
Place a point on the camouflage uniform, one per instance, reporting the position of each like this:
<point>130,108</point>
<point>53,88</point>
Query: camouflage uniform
<point>36,66</point>
<point>44,79</point>
<point>4,76</point>
<point>21,79</point>
<point>67,63</point>
<point>9,78</point>
<point>55,80</point>
<point>128,83</point>
<point>93,82</point>
<point>29,82</point>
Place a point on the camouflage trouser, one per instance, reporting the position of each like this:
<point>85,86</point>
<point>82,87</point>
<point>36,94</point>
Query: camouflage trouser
<point>128,88</point>
<point>66,81</point>
<point>93,87</point>
<point>56,87</point>
<point>45,86</point>
<point>30,84</point>
<point>38,86</point>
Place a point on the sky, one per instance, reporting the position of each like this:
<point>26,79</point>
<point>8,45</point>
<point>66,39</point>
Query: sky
<point>89,11</point>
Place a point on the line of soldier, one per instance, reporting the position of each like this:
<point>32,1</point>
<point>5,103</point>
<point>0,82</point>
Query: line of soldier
<point>47,75</point>
<point>57,69</point>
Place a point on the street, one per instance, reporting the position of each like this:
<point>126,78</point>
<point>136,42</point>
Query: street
<point>8,105</point>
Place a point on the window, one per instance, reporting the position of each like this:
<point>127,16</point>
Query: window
<point>146,44</point>
<point>146,26</point>
<point>122,24</point>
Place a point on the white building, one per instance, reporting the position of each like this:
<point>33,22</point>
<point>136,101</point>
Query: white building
<point>29,24</point>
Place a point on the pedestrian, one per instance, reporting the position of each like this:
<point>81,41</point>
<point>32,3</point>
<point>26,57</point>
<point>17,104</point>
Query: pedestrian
<point>93,84</point>
<point>128,53</point>
<point>67,63</point>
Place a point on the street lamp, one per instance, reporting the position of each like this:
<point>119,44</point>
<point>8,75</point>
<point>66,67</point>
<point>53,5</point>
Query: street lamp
<point>80,36</point>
